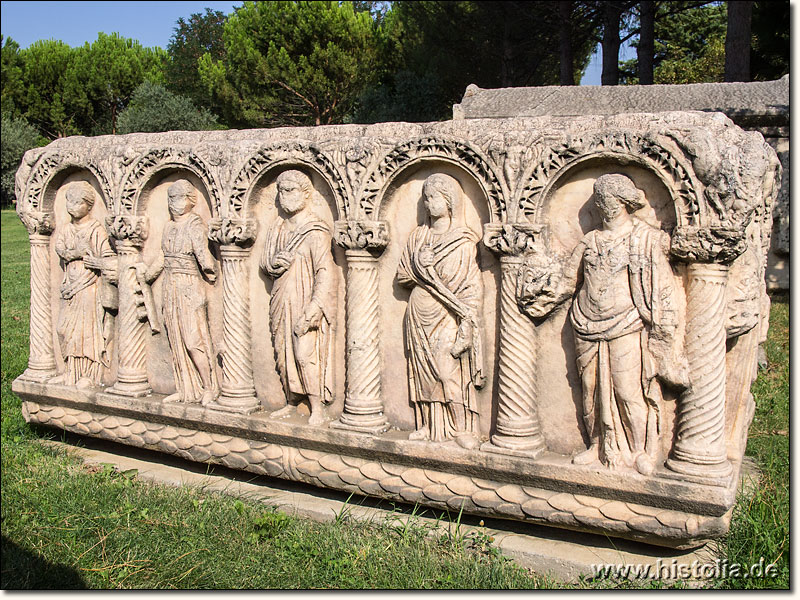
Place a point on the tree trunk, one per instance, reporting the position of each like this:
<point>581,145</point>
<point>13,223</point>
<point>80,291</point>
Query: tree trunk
<point>565,42</point>
<point>737,41</point>
<point>646,48</point>
<point>612,14</point>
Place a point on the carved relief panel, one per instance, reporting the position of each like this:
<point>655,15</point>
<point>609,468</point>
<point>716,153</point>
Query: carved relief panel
<point>552,320</point>
<point>296,286</point>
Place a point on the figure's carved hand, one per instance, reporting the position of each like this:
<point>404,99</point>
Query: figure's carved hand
<point>141,269</point>
<point>91,261</point>
<point>463,341</point>
<point>426,257</point>
<point>310,319</point>
<point>282,260</point>
<point>211,276</point>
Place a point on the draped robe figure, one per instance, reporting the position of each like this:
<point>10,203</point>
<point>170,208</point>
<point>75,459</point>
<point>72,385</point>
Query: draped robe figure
<point>442,327</point>
<point>84,325</point>
<point>624,320</point>
<point>302,309</point>
<point>184,309</point>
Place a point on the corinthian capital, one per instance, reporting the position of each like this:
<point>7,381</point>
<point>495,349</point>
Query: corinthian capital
<point>37,222</point>
<point>708,244</point>
<point>228,231</point>
<point>362,235</point>
<point>514,239</point>
<point>127,228</point>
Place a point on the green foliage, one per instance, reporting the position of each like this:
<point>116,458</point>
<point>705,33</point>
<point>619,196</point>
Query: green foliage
<point>49,101</point>
<point>200,34</point>
<point>104,75</point>
<point>154,108</point>
<point>12,88</point>
<point>769,53</point>
<point>292,63</point>
<point>17,137</point>
<point>689,44</point>
<point>490,44</point>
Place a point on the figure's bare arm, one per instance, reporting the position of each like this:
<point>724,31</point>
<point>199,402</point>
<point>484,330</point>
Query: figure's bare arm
<point>200,248</point>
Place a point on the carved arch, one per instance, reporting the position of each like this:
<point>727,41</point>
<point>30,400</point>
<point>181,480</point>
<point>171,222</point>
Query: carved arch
<point>51,168</point>
<point>145,167</point>
<point>433,147</point>
<point>620,147</point>
<point>294,152</point>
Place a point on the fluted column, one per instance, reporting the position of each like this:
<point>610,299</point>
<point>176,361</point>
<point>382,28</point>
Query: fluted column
<point>363,406</point>
<point>41,359</point>
<point>699,448</point>
<point>237,391</point>
<point>517,430</point>
<point>130,233</point>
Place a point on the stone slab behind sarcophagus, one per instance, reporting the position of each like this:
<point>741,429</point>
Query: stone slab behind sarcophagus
<point>553,320</point>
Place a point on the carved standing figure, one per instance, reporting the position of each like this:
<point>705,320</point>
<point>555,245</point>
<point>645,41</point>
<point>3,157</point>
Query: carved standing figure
<point>624,320</point>
<point>184,260</point>
<point>302,308</point>
<point>84,323</point>
<point>442,322</point>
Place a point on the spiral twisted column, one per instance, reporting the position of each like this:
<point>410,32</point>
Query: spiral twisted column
<point>130,233</point>
<point>41,359</point>
<point>363,406</point>
<point>238,392</point>
<point>517,429</point>
<point>699,448</point>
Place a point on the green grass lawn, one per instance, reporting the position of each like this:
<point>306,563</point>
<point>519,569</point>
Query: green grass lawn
<point>65,525</point>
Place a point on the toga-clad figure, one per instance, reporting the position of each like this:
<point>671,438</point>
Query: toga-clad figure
<point>442,323</point>
<point>84,325</point>
<point>184,260</point>
<point>302,308</point>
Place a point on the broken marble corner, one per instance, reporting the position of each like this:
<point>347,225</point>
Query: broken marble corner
<point>552,319</point>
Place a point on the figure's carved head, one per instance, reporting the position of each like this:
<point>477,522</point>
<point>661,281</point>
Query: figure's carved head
<point>181,198</point>
<point>613,192</point>
<point>80,199</point>
<point>441,194</point>
<point>294,191</point>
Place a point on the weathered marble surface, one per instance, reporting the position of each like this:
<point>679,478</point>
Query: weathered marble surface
<point>761,106</point>
<point>376,333</point>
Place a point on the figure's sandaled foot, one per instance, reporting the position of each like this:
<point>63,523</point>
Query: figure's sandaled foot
<point>469,441</point>
<point>176,397</point>
<point>84,383</point>
<point>420,434</point>
<point>207,398</point>
<point>644,464</point>
<point>317,417</point>
<point>287,410</point>
<point>587,457</point>
<point>58,379</point>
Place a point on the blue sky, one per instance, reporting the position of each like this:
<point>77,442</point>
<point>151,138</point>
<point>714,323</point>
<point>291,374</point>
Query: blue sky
<point>151,23</point>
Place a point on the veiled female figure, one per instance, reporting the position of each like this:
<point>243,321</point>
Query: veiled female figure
<point>84,326</point>
<point>442,322</point>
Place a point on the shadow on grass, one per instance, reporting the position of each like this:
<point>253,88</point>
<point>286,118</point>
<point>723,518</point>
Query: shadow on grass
<point>25,570</point>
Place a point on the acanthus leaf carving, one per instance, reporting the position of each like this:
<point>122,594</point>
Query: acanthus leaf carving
<point>708,244</point>
<point>362,235</point>
<point>229,231</point>
<point>512,238</point>
<point>128,228</point>
<point>37,222</point>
